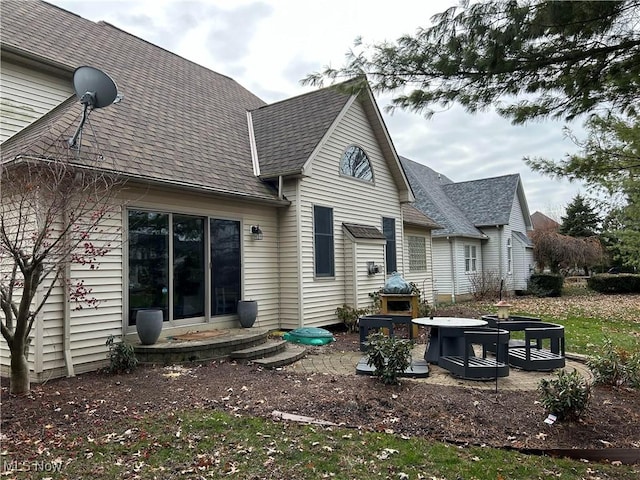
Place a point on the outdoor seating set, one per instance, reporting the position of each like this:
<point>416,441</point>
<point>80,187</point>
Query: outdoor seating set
<point>481,349</point>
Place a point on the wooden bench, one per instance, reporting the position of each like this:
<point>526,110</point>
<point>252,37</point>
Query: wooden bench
<point>473,367</point>
<point>377,322</point>
<point>543,347</point>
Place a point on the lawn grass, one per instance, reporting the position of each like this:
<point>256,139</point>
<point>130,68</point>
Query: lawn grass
<point>212,444</point>
<point>589,318</point>
<point>199,444</point>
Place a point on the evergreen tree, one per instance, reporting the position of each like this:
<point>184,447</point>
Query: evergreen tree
<point>549,58</point>
<point>609,163</point>
<point>529,59</point>
<point>580,220</point>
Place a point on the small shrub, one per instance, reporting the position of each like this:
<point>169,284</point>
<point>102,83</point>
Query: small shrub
<point>615,366</point>
<point>567,396</point>
<point>122,358</point>
<point>349,316</point>
<point>545,285</point>
<point>389,356</point>
<point>485,285</point>
<point>633,371</point>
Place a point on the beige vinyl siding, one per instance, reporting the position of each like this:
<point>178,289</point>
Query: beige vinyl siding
<point>352,201</point>
<point>27,95</point>
<point>289,284</point>
<point>351,274</point>
<point>423,279</point>
<point>48,334</point>
<point>373,252</point>
<point>91,327</point>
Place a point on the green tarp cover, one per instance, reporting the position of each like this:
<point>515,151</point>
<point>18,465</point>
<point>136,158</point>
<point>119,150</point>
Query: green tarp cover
<point>309,336</point>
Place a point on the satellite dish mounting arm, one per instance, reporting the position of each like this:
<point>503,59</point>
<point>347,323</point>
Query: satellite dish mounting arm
<point>88,99</point>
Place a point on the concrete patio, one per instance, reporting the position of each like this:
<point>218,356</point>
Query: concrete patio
<point>320,360</point>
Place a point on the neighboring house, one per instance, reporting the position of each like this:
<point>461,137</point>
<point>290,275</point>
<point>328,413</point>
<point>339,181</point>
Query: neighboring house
<point>317,174</point>
<point>484,235</point>
<point>541,222</point>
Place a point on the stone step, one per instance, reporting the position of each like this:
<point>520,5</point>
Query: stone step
<point>268,348</point>
<point>291,354</point>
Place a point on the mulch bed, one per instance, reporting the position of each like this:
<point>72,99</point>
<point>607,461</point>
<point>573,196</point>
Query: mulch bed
<point>90,405</point>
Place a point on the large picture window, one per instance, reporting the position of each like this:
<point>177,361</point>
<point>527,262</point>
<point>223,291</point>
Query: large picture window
<point>323,241</point>
<point>389,231</point>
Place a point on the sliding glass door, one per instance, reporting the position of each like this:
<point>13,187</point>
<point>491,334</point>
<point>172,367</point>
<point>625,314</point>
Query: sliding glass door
<point>168,261</point>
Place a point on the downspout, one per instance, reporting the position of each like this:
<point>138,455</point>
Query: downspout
<point>66,321</point>
<point>500,259</point>
<point>280,187</point>
<point>453,270</point>
<point>66,313</point>
<point>299,248</point>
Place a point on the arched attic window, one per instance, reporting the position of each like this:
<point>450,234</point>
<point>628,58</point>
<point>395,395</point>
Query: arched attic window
<point>356,164</point>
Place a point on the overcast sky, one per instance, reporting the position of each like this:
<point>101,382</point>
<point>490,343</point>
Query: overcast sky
<point>268,46</point>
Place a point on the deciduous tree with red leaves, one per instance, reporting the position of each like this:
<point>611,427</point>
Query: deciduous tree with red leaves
<point>52,215</point>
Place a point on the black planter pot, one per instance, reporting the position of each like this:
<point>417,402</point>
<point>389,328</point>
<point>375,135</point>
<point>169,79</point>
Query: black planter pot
<point>247,312</point>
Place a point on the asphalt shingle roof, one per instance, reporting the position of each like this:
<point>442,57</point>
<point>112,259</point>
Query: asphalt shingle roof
<point>461,208</point>
<point>412,215</point>
<point>431,199</point>
<point>364,231</point>
<point>178,123</point>
<point>486,201</point>
<point>287,132</point>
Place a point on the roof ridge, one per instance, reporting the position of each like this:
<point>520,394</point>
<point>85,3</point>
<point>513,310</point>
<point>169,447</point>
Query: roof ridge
<point>302,95</point>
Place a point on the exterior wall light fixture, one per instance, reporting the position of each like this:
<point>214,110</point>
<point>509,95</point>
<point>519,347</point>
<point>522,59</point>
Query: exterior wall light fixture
<point>256,232</point>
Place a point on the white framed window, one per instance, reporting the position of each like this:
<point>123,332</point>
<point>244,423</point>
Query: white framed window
<point>470,258</point>
<point>417,254</point>
<point>509,256</point>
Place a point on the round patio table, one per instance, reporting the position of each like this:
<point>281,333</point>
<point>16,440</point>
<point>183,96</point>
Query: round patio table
<point>451,345</point>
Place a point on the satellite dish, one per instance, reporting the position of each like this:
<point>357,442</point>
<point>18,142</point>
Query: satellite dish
<point>94,89</point>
